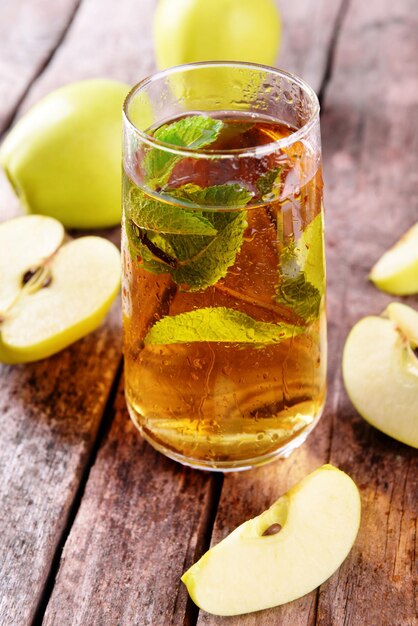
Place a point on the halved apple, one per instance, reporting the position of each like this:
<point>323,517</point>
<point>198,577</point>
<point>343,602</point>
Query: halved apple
<point>51,295</point>
<point>397,270</point>
<point>256,567</point>
<point>17,257</point>
<point>380,372</point>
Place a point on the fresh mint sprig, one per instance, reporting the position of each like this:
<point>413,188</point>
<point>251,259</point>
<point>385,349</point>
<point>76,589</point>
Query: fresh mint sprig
<point>151,214</point>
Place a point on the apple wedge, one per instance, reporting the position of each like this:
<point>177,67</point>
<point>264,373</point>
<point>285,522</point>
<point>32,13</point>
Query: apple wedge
<point>54,295</point>
<point>380,372</point>
<point>256,567</point>
<point>397,270</point>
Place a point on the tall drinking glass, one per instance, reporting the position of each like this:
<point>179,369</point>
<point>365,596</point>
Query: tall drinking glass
<point>223,276</point>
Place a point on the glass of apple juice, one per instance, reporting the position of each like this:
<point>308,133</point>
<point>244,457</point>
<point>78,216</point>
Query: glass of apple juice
<point>223,263</point>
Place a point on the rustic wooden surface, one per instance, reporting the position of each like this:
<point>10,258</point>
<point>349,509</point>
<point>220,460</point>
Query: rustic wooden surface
<point>96,527</point>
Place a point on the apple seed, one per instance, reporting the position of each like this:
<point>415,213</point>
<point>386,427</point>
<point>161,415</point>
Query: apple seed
<point>272,530</point>
<point>28,275</point>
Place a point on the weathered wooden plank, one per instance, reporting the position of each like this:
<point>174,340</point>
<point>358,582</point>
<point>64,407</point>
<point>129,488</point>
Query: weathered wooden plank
<point>50,412</point>
<point>308,31</point>
<point>29,34</point>
<point>49,415</point>
<point>370,131</point>
<point>138,527</point>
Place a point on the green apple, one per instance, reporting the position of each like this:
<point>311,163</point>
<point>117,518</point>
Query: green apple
<point>63,157</point>
<point>397,270</point>
<point>380,372</point>
<point>256,567</point>
<point>200,30</point>
<point>51,294</point>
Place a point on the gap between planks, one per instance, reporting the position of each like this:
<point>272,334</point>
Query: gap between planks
<point>40,70</point>
<point>104,428</point>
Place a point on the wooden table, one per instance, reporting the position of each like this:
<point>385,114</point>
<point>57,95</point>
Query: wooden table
<point>95,527</point>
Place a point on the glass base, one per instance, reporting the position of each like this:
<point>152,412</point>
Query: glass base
<point>228,466</point>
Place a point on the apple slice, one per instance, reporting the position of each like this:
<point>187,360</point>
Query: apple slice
<point>17,257</point>
<point>256,567</point>
<point>66,296</point>
<point>397,270</point>
<point>380,372</point>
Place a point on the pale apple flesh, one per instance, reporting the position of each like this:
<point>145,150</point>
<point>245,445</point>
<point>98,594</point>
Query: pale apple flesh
<point>17,257</point>
<point>380,372</point>
<point>68,291</point>
<point>405,318</point>
<point>249,571</point>
<point>397,270</point>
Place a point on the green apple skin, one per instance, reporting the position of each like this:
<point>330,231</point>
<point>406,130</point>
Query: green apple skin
<point>63,157</point>
<point>380,373</point>
<point>186,31</point>
<point>85,279</point>
<point>396,272</point>
<point>249,571</point>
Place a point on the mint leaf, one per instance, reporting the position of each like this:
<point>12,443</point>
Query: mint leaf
<point>154,260</point>
<point>302,272</point>
<point>228,195</point>
<point>158,216</point>
<point>204,262</point>
<point>218,324</point>
<point>299,295</point>
<point>265,183</point>
<point>194,132</point>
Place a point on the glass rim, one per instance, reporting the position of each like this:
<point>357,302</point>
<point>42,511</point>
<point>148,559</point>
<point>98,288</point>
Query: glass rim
<point>256,151</point>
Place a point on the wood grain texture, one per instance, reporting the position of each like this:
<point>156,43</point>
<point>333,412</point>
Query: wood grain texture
<point>30,30</point>
<point>308,29</point>
<point>137,529</point>
<point>49,416</point>
<point>370,130</point>
<point>48,430</point>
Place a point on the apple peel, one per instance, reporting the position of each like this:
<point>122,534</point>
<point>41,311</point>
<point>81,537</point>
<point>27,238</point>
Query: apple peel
<point>396,271</point>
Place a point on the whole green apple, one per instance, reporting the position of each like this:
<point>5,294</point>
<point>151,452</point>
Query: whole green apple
<point>216,30</point>
<point>63,157</point>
